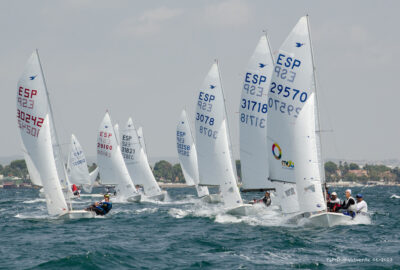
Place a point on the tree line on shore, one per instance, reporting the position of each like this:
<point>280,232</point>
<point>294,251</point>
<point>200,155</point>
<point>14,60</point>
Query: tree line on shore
<point>166,172</point>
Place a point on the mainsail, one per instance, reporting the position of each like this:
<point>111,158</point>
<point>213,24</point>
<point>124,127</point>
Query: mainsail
<point>33,120</point>
<point>110,160</point>
<point>77,168</point>
<point>212,138</point>
<point>136,160</point>
<point>254,150</point>
<point>187,154</point>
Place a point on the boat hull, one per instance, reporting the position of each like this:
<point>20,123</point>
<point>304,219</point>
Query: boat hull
<point>158,197</point>
<point>78,214</point>
<point>242,210</point>
<point>328,219</point>
<point>135,198</point>
<point>211,198</point>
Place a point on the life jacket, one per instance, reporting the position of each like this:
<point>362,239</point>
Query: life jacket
<point>106,206</point>
<point>352,207</point>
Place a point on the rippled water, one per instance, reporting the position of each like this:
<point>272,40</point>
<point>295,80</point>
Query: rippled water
<point>185,233</point>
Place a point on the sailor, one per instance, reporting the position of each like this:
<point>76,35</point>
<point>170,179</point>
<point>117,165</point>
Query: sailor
<point>75,190</point>
<point>101,208</point>
<point>349,204</point>
<point>362,206</point>
<point>334,202</point>
<point>267,199</point>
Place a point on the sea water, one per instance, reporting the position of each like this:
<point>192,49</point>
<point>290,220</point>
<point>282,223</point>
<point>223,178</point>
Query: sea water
<point>185,233</point>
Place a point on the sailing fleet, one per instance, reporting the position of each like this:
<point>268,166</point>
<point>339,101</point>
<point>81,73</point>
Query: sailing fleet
<point>280,143</point>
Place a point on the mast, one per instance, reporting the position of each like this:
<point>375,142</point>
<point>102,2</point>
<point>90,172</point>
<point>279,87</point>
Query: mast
<point>55,129</point>
<point>322,171</point>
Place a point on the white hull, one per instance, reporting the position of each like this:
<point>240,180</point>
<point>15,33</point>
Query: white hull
<point>243,210</point>
<point>78,214</point>
<point>328,219</point>
<point>159,197</point>
<point>91,195</point>
<point>135,198</point>
<point>211,198</point>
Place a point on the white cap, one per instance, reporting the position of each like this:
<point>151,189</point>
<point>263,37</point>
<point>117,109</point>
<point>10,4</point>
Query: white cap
<point>348,190</point>
<point>334,194</point>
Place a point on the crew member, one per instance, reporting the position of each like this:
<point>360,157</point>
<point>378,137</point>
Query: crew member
<point>267,199</point>
<point>75,190</point>
<point>349,204</point>
<point>101,208</point>
<point>362,206</point>
<point>334,203</point>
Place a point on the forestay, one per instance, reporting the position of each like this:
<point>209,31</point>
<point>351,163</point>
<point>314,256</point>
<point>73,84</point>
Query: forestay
<point>187,154</point>
<point>136,160</point>
<point>212,139</point>
<point>33,120</point>
<point>253,119</point>
<point>110,160</point>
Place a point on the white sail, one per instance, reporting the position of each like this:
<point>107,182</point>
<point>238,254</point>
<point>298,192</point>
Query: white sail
<point>253,110</point>
<point>77,168</point>
<point>308,175</point>
<point>110,161</point>
<point>187,154</point>
<point>33,113</point>
<point>136,160</point>
<point>212,138</point>
<point>117,134</point>
<point>92,176</point>
<point>292,84</point>
<point>141,139</point>
<point>34,175</point>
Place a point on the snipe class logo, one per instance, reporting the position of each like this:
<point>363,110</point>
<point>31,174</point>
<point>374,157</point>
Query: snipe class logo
<point>276,151</point>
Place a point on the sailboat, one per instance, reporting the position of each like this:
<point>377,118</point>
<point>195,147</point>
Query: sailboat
<point>216,165</point>
<point>40,141</point>
<point>188,156</point>
<point>77,167</point>
<point>137,164</point>
<point>111,163</point>
<point>254,150</point>
<point>294,132</point>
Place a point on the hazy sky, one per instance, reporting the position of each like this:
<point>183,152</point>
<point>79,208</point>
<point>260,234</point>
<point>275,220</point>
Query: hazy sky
<point>146,59</point>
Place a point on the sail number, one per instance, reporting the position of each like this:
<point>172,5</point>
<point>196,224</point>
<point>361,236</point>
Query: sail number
<point>208,132</point>
<point>283,107</point>
<point>183,149</point>
<point>287,92</point>
<point>29,119</point>
<point>254,106</point>
<point>252,120</point>
<point>205,119</point>
<point>33,131</point>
